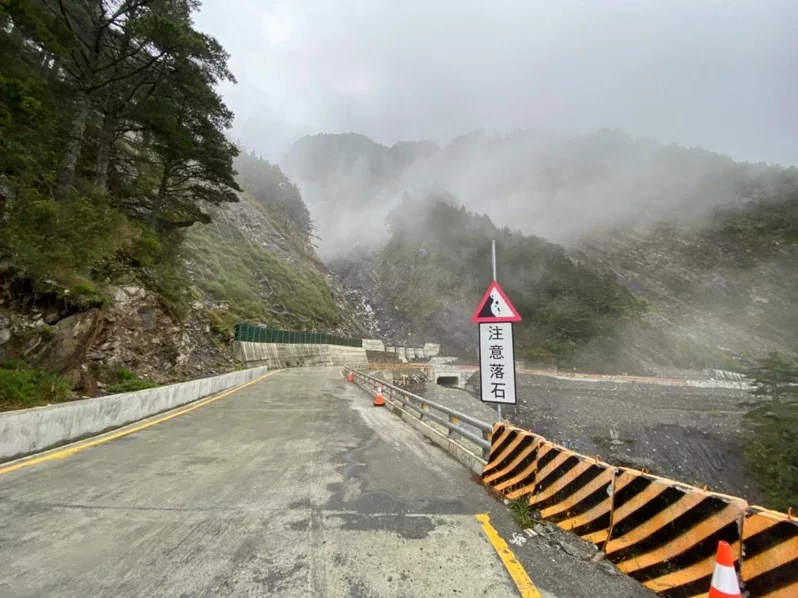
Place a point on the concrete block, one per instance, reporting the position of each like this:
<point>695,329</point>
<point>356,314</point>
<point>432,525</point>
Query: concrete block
<point>29,431</point>
<point>431,350</point>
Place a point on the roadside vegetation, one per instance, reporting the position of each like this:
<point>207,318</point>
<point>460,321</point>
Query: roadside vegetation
<point>771,446</point>
<point>22,387</point>
<point>116,169</point>
<point>522,512</point>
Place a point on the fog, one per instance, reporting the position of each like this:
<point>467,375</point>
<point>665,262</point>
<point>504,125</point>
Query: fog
<point>720,75</point>
<point>562,188</point>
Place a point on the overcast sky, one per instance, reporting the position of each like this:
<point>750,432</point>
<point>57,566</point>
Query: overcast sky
<point>722,75</point>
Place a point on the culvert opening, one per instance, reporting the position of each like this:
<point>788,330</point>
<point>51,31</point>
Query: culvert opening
<point>448,381</point>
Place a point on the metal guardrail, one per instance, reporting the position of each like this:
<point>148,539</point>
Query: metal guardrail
<point>451,419</point>
<point>400,366</point>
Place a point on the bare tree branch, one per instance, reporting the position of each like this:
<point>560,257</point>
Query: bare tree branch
<point>126,75</point>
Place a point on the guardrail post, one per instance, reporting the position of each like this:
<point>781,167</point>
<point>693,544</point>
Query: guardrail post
<point>486,435</point>
<point>453,419</point>
<point>425,407</point>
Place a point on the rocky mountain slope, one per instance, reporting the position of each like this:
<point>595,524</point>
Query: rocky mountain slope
<point>256,260</point>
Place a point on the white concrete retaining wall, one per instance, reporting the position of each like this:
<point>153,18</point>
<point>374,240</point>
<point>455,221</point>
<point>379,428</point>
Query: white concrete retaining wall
<point>370,344</point>
<point>29,431</point>
<point>280,355</point>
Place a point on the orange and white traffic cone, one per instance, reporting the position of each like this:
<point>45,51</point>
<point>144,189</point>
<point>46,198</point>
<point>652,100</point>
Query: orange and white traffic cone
<point>350,377</point>
<point>379,401</point>
<point>724,578</point>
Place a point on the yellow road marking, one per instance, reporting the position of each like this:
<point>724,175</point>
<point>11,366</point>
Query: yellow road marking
<point>69,451</point>
<point>514,568</point>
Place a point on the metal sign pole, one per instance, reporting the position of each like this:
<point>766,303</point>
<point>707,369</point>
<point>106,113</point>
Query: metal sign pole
<point>493,261</point>
<point>493,252</point>
<point>495,315</point>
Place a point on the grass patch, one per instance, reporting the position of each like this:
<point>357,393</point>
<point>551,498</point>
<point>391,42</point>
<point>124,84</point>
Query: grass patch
<point>127,381</point>
<point>22,387</point>
<point>522,512</point>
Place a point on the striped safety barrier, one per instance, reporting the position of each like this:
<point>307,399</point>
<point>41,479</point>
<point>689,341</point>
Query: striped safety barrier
<point>770,548</point>
<point>570,490</point>
<point>513,461</point>
<point>665,534</point>
<point>575,492</point>
<point>661,532</point>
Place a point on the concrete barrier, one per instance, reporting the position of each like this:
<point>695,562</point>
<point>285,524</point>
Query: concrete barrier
<point>280,355</point>
<point>29,431</point>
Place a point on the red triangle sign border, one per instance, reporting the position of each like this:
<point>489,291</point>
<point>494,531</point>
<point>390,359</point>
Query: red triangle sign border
<point>515,317</point>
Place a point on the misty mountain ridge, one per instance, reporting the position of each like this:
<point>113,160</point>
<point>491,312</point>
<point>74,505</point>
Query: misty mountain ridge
<point>706,243</point>
<point>558,187</point>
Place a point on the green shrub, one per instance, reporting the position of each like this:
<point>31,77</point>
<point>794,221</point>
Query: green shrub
<point>222,321</point>
<point>83,234</point>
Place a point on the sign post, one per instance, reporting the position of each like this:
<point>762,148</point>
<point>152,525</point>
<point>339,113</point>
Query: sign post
<point>495,315</point>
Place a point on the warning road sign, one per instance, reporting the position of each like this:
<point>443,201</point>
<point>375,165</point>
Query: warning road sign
<point>497,363</point>
<point>495,307</point>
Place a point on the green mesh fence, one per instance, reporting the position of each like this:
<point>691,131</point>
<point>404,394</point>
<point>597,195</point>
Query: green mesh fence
<point>257,333</point>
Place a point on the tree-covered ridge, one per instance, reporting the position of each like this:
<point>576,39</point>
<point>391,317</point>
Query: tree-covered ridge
<point>111,137</point>
<point>439,256</point>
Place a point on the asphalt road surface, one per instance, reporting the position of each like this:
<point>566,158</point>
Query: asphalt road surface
<point>293,486</point>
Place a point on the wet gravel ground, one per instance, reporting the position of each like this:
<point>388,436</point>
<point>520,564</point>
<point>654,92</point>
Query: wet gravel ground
<point>692,435</point>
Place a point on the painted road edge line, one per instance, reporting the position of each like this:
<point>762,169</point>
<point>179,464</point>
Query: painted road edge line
<point>81,446</point>
<point>516,570</point>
